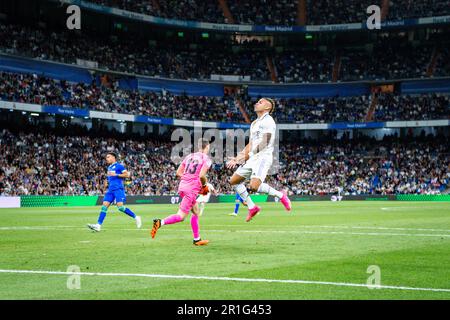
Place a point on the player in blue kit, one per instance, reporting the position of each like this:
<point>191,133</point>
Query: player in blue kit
<point>237,204</point>
<point>116,175</point>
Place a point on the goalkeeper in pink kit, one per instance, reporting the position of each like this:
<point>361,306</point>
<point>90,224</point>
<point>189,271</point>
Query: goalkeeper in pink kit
<point>192,173</point>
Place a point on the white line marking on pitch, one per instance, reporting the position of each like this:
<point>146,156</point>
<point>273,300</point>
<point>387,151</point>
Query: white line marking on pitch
<point>345,233</point>
<point>234,225</point>
<point>344,227</point>
<point>190,277</point>
<point>37,227</point>
<point>334,232</point>
<point>249,231</point>
<point>410,208</point>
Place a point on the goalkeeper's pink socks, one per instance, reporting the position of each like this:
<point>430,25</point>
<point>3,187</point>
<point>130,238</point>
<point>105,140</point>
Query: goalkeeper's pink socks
<point>195,227</point>
<point>172,219</point>
<point>175,218</point>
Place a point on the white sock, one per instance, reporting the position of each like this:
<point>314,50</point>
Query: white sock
<point>202,208</point>
<point>162,222</point>
<point>242,191</point>
<point>265,188</point>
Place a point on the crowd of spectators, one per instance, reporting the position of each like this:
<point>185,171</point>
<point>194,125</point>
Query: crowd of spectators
<point>132,56</point>
<point>264,12</point>
<point>41,90</point>
<point>367,167</point>
<point>304,66</point>
<point>194,10</point>
<point>316,110</point>
<point>392,107</point>
<point>387,58</point>
<point>401,9</point>
<point>45,163</point>
<point>337,11</point>
<point>38,163</point>
<point>443,61</point>
<point>389,107</point>
<point>28,88</point>
<point>284,13</point>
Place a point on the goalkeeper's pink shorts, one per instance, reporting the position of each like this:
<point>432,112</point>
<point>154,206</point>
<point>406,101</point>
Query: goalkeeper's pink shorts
<point>189,195</point>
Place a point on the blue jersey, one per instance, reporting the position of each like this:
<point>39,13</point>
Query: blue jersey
<point>115,183</point>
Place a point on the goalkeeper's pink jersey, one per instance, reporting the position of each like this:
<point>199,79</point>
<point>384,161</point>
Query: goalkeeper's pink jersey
<point>193,165</point>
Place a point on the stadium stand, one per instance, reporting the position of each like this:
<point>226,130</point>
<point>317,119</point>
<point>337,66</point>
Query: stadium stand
<point>285,12</point>
<point>401,9</point>
<point>196,10</point>
<point>43,161</point>
<point>41,90</point>
<point>45,91</point>
<point>390,58</point>
<point>264,12</point>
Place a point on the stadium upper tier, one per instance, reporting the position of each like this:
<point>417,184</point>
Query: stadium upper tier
<point>108,97</point>
<point>392,57</point>
<point>282,12</point>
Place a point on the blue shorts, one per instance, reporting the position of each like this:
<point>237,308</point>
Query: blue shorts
<point>118,195</point>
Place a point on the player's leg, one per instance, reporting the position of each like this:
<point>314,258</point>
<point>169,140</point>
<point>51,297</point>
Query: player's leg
<point>260,168</point>
<point>174,218</point>
<point>236,205</point>
<point>236,209</point>
<point>195,225</point>
<point>265,188</point>
<point>109,197</point>
<point>257,184</point>
<point>242,173</point>
<point>201,208</point>
<point>183,211</point>
<point>121,207</point>
<point>120,200</point>
<point>237,180</point>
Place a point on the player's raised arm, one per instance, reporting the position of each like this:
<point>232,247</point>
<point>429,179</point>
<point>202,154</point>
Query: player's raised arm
<point>241,157</point>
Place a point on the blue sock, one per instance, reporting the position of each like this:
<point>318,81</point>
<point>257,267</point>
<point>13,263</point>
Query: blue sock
<point>236,208</point>
<point>127,211</point>
<point>102,215</point>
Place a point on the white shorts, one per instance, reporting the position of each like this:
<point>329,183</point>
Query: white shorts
<point>255,167</point>
<point>203,198</point>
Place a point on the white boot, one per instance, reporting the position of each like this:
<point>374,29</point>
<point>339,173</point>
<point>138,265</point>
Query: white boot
<point>138,222</point>
<point>95,227</point>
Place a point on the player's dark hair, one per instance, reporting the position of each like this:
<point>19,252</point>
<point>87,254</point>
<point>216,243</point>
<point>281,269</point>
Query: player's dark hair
<point>272,103</point>
<point>113,154</point>
<point>202,144</point>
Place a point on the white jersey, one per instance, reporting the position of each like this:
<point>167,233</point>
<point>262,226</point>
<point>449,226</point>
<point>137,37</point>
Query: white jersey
<point>258,128</point>
<point>259,163</point>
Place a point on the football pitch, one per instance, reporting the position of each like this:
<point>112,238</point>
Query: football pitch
<point>320,250</point>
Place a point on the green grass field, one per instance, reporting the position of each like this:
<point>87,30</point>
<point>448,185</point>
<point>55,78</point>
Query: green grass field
<point>320,242</point>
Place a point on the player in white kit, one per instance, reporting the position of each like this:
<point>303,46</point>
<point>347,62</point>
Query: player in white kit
<point>203,199</point>
<point>258,158</point>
